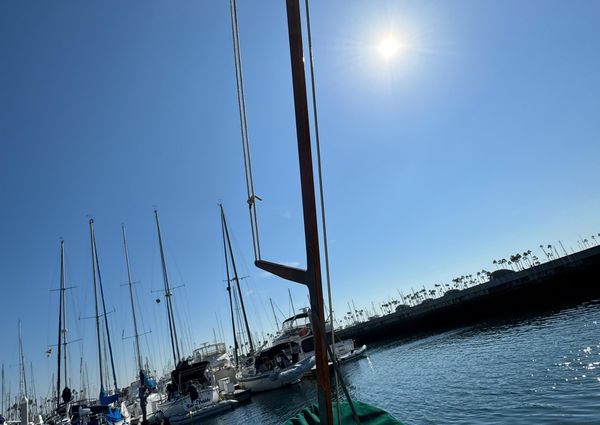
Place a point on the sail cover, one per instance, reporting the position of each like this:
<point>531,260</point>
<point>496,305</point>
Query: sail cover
<point>105,399</point>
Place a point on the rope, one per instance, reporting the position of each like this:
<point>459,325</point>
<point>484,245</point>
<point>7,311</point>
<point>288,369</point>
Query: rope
<point>325,244</point>
<point>239,80</point>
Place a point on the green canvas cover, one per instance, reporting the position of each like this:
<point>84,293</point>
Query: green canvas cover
<point>368,415</point>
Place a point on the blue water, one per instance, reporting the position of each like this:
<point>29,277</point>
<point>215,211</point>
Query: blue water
<point>540,370</point>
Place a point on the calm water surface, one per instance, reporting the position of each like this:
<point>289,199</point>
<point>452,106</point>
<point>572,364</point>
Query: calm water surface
<point>541,370</point>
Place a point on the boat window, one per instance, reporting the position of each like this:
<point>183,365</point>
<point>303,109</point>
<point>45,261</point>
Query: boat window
<point>308,345</point>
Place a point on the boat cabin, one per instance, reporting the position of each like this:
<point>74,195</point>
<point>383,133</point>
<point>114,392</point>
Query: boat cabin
<point>186,373</point>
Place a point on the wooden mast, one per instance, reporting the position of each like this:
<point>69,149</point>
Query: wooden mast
<point>311,277</point>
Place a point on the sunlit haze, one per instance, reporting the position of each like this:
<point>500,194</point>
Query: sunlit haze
<point>389,47</point>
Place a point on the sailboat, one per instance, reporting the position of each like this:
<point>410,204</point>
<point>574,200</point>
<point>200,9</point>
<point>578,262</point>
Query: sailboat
<point>266,368</point>
<point>322,413</point>
<point>143,397</point>
<point>104,411</point>
<point>192,393</point>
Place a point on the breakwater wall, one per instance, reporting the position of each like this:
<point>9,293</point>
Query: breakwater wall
<point>557,283</point>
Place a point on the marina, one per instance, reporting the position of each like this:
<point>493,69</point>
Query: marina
<point>256,296</point>
<point>426,379</point>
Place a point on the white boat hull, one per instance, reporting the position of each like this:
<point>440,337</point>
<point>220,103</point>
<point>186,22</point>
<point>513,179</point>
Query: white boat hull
<point>183,404</point>
<point>278,378</point>
<point>202,412</point>
<point>354,354</point>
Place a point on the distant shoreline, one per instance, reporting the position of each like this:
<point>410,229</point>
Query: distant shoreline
<point>557,283</point>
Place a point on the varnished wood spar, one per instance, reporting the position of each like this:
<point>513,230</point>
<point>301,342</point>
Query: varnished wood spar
<point>311,277</point>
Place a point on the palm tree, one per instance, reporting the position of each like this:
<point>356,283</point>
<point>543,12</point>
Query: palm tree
<point>527,258</point>
<point>516,259</point>
<point>519,259</point>
<point>545,253</point>
<point>550,253</point>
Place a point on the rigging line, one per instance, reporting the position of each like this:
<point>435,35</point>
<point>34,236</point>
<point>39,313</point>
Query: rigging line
<point>235,344</point>
<point>97,317</point>
<point>244,130</point>
<point>237,81</point>
<point>112,362</point>
<point>322,200</point>
<point>241,334</point>
<point>168,295</point>
<point>251,286</point>
<point>280,312</point>
<point>50,314</point>
<point>140,315</point>
<point>183,310</point>
<point>241,74</point>
<point>130,280</point>
<point>236,278</point>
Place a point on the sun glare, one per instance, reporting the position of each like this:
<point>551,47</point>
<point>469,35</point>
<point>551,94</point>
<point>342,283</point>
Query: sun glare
<point>388,47</point>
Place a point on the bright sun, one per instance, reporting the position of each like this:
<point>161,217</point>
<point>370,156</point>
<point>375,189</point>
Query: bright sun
<point>388,47</point>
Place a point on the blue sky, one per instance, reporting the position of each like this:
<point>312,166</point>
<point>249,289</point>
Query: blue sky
<point>478,140</point>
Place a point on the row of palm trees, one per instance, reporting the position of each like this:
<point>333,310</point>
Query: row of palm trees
<point>520,261</point>
<point>586,243</point>
<point>515,262</point>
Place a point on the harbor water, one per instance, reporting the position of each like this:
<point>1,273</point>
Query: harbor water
<point>542,369</point>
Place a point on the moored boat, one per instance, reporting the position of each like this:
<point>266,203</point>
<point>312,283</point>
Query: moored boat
<point>274,367</point>
<point>192,395</point>
<point>298,329</point>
